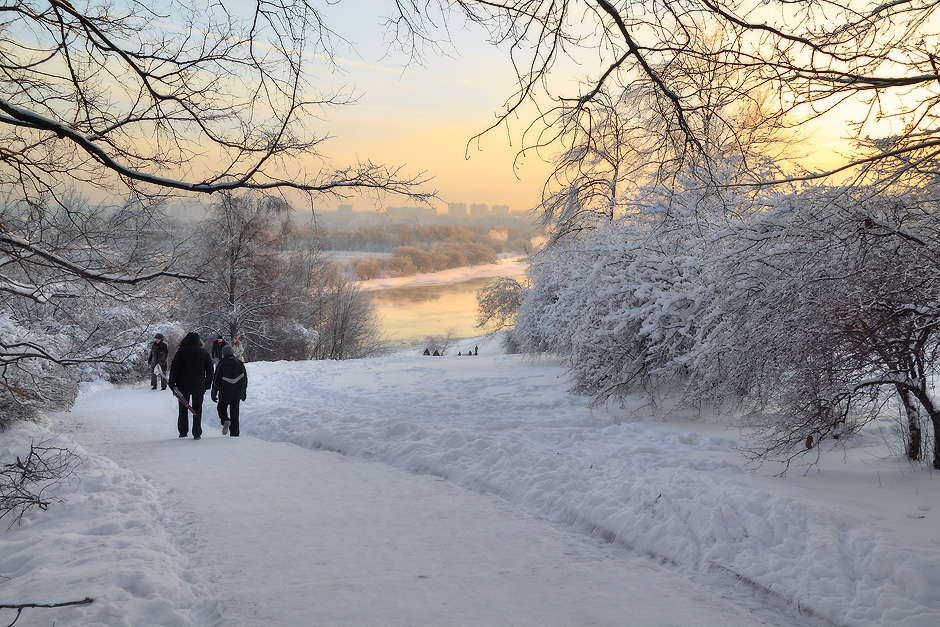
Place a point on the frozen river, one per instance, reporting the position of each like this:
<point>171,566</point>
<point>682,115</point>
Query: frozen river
<point>412,308</point>
<point>412,313</point>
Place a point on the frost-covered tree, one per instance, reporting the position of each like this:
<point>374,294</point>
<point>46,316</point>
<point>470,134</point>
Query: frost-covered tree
<point>623,305</point>
<point>73,306</point>
<point>346,322</point>
<point>830,308</point>
<point>619,153</point>
<point>239,255</point>
<point>497,303</point>
<point>139,100</point>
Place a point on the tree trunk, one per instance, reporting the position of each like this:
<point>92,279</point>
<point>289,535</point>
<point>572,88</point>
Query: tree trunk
<point>934,414</point>
<point>914,440</point>
<point>935,419</point>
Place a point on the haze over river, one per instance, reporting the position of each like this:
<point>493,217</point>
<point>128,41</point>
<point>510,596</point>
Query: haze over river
<point>412,308</point>
<point>412,313</point>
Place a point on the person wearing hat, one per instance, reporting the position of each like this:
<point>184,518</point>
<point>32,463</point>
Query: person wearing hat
<point>191,374</point>
<point>217,350</point>
<point>229,388</point>
<point>158,356</point>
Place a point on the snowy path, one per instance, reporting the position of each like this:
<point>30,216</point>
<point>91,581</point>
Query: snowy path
<point>284,536</point>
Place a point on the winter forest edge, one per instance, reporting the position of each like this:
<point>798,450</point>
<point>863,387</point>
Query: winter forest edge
<point>692,260</point>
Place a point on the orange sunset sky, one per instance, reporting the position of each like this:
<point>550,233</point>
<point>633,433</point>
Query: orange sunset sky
<point>424,117</point>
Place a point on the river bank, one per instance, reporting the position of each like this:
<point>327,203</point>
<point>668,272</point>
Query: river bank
<point>511,266</point>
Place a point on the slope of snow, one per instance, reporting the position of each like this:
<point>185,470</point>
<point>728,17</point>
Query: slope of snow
<point>111,538</point>
<point>520,506</point>
<point>855,541</point>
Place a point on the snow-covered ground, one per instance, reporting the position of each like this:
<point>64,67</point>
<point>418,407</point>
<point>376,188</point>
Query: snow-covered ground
<point>518,505</point>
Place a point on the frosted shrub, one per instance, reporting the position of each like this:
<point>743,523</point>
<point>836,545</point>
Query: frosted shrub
<point>830,308</point>
<point>619,307</point>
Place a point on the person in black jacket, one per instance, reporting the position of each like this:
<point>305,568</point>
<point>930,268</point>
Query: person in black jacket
<point>191,374</point>
<point>217,346</point>
<point>158,354</point>
<point>229,388</point>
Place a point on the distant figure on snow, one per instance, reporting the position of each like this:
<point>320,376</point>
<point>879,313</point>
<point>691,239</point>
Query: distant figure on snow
<point>159,352</point>
<point>436,354</point>
<point>476,350</point>
<point>229,388</point>
<point>239,348</point>
<point>191,374</point>
<point>217,350</point>
<point>427,352</point>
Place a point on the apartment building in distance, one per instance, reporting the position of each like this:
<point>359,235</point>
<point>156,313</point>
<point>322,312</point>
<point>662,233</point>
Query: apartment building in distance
<point>411,213</point>
<point>479,210</point>
<point>457,209</point>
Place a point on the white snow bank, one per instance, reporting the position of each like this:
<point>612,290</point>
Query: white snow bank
<point>109,524</point>
<point>510,266</point>
<point>855,542</point>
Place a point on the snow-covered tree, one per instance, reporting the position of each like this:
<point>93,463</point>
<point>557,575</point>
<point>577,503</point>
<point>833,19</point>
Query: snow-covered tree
<point>497,303</point>
<point>829,308</point>
<point>238,245</point>
<point>345,320</point>
<point>623,306</point>
<point>73,301</point>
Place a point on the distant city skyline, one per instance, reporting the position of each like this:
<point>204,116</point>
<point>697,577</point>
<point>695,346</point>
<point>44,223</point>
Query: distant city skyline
<point>453,210</point>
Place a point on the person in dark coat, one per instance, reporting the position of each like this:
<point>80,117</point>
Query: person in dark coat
<point>217,346</point>
<point>191,374</point>
<point>159,352</point>
<point>229,388</point>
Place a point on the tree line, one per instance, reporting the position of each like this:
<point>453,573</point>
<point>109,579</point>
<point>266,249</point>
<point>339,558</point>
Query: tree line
<point>388,237</point>
<point>409,249</point>
<point>245,270</point>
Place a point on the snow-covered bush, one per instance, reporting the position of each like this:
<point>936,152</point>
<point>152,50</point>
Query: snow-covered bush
<point>805,312</point>
<point>830,306</point>
<point>497,303</point>
<point>31,382</point>
<point>621,307</point>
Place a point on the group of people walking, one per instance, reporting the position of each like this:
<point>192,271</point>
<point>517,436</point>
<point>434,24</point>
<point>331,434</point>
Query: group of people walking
<point>193,371</point>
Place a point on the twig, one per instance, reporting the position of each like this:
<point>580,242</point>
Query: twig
<point>19,607</point>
